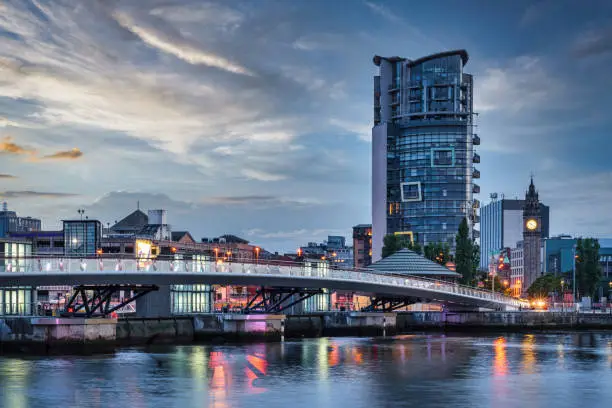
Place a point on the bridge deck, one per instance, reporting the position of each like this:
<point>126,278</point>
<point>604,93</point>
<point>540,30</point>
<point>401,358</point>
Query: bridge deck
<point>57,271</point>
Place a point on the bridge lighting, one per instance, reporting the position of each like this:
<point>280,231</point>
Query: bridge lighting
<point>299,252</point>
<point>99,251</point>
<point>173,249</point>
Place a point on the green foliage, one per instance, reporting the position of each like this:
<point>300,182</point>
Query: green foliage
<point>498,285</point>
<point>464,253</point>
<point>393,243</point>
<point>588,269</point>
<point>545,285</point>
<point>438,252</point>
<point>475,260</point>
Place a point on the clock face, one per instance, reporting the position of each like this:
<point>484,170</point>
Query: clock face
<point>531,224</point>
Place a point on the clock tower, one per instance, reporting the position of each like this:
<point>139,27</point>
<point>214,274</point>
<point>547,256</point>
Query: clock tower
<point>532,234</point>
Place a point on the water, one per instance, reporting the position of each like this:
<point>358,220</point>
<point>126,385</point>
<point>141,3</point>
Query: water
<point>566,370</point>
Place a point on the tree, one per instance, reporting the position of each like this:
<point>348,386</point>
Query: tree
<point>475,260</point>
<point>464,253</point>
<point>438,252</point>
<point>393,243</point>
<point>498,285</point>
<point>588,269</point>
<point>545,285</point>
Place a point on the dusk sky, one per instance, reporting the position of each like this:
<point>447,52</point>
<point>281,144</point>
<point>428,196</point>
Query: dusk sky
<point>254,118</point>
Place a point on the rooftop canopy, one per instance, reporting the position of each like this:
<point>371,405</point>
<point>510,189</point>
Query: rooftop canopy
<point>407,262</point>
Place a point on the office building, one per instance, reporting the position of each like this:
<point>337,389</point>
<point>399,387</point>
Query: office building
<point>10,222</point>
<point>423,149</point>
<point>501,226</point>
<point>335,242</point>
<point>516,269</point>
<point>362,245</point>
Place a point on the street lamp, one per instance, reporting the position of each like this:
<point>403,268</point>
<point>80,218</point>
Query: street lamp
<point>81,212</point>
<point>574,276</point>
<point>257,249</point>
<point>216,254</point>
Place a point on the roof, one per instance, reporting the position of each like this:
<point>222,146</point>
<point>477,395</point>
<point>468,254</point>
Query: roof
<point>177,235</point>
<point>462,53</point>
<point>363,226</point>
<point>150,229</point>
<point>407,262</point>
<point>133,222</point>
<point>229,238</point>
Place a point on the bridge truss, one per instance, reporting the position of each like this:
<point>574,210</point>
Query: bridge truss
<point>95,300</point>
<point>276,300</point>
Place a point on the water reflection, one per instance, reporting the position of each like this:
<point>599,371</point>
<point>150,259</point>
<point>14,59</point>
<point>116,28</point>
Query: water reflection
<point>403,371</point>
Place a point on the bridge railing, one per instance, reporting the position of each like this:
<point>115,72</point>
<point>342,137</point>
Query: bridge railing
<point>51,266</point>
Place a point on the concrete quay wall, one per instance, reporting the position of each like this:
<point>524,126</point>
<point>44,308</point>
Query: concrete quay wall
<point>511,321</point>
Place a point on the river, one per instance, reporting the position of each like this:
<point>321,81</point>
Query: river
<point>561,370</point>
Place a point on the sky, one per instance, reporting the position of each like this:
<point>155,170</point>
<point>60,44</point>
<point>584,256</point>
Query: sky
<point>254,117</point>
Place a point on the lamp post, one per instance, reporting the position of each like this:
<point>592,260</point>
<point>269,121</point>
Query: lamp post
<point>216,254</point>
<point>562,295</point>
<point>257,249</point>
<point>81,212</point>
<point>574,276</point>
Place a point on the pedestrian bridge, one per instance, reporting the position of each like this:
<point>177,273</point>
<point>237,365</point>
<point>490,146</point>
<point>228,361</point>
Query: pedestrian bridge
<point>310,275</point>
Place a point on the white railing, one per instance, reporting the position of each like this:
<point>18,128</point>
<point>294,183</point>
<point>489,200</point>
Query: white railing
<point>63,266</point>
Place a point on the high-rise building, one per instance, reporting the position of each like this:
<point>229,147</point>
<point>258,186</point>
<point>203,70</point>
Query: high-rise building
<point>10,222</point>
<point>362,245</point>
<point>532,235</point>
<point>423,149</point>
<point>501,226</point>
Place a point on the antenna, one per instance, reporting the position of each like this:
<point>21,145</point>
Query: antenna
<point>138,205</point>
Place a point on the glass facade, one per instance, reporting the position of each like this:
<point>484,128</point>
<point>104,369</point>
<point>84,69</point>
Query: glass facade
<point>430,149</point>
<point>13,256</point>
<point>16,301</point>
<point>82,237</point>
<point>186,299</point>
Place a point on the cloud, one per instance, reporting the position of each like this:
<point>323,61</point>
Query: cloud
<point>34,194</point>
<point>593,43</point>
<point>175,44</point>
<point>7,176</point>
<point>362,130</point>
<point>262,175</point>
<point>300,234</point>
<point>8,147</point>
<point>522,84</point>
<point>318,42</point>
<point>72,154</point>
<point>535,12</point>
<point>259,200</point>
<point>383,11</point>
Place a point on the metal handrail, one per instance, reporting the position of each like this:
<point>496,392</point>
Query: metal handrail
<point>72,265</point>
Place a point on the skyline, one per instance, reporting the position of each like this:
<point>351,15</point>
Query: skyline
<point>255,121</point>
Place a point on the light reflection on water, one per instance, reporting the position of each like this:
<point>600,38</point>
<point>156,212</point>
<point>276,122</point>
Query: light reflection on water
<point>425,371</point>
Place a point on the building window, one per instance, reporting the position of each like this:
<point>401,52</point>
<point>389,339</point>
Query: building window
<point>411,191</point>
<point>442,157</point>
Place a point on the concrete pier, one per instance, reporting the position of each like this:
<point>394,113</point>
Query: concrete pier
<point>57,335</point>
<point>342,324</point>
<point>239,327</point>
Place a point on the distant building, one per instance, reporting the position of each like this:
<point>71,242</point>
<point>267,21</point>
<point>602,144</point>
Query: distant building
<point>516,270</point>
<point>501,226</point>
<point>362,245</point>
<point>11,223</point>
<point>335,242</point>
<point>43,242</point>
<point>82,237</point>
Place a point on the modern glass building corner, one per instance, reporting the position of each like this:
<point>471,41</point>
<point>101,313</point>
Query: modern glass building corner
<point>423,148</point>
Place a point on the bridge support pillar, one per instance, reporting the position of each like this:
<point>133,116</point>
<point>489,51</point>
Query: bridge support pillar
<point>239,327</point>
<point>360,324</point>
<point>155,304</point>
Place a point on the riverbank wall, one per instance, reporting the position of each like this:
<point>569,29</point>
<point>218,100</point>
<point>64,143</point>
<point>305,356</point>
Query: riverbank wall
<point>34,335</point>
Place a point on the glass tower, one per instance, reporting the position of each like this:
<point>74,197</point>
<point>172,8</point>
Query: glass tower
<point>423,149</point>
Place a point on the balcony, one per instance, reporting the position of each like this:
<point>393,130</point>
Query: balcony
<point>476,140</point>
<point>475,173</point>
<point>476,158</point>
<point>394,87</point>
<point>476,189</point>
